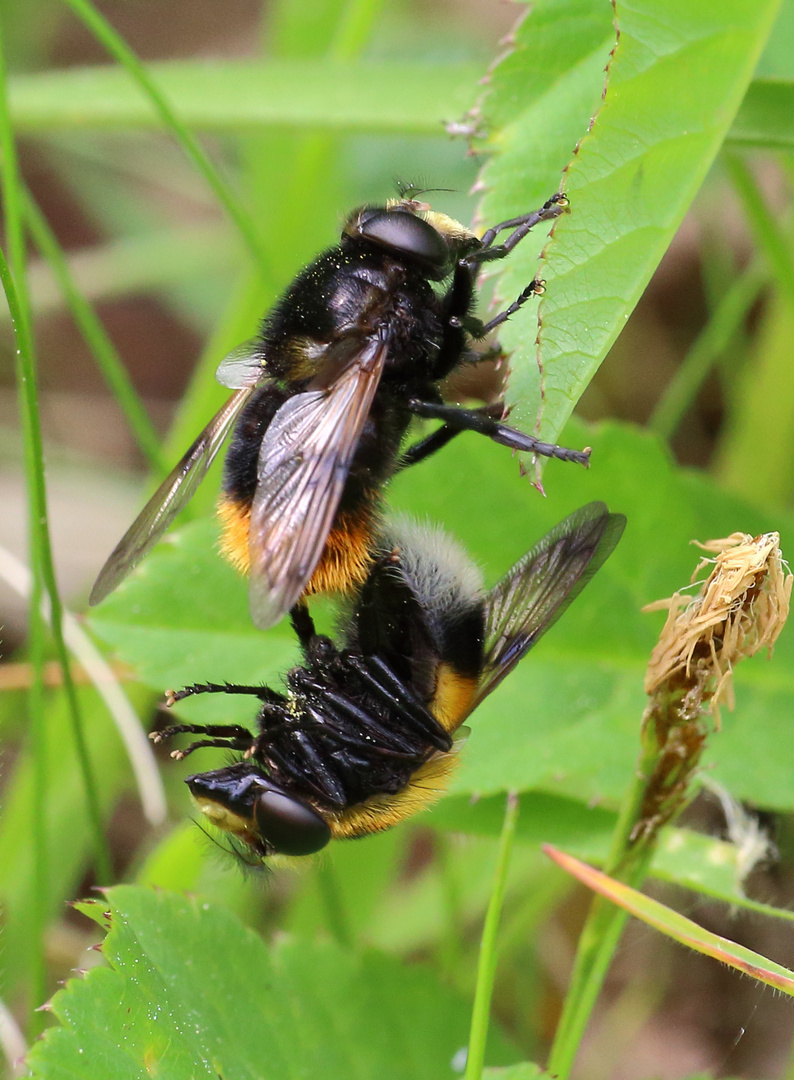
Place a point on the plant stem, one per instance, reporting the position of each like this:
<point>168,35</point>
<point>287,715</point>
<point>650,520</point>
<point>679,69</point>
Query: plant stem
<point>771,238</point>
<point>603,927</point>
<point>97,338</point>
<point>450,946</point>
<point>137,70</point>
<point>12,219</point>
<point>42,567</point>
<point>712,340</point>
<point>486,966</point>
<point>42,558</point>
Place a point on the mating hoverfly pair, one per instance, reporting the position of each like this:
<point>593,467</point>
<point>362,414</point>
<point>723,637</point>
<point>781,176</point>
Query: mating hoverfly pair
<point>367,731</point>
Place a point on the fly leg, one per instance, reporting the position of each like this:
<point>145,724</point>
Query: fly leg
<point>379,679</point>
<point>446,433</point>
<point>488,251</point>
<point>479,421</point>
<point>459,325</point>
<point>226,736</point>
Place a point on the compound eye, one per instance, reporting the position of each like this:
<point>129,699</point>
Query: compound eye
<point>402,231</point>
<point>289,826</point>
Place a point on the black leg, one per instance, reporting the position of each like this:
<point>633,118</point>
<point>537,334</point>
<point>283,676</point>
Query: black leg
<point>457,322</point>
<point>474,420</point>
<point>264,693</point>
<point>225,736</point>
<point>389,742</point>
<point>384,684</point>
<point>225,731</point>
<point>487,252</point>
<point>303,625</point>
<point>323,778</point>
<point>180,755</point>
<point>478,329</point>
<point>427,446</point>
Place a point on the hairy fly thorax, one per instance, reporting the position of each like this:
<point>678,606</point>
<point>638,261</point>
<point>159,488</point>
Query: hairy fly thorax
<point>356,347</point>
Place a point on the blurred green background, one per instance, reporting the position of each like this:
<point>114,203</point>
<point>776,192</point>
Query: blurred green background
<point>693,437</point>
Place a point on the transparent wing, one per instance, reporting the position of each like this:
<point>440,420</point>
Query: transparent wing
<point>538,589</point>
<point>174,492</point>
<point>242,367</point>
<point>303,465</point>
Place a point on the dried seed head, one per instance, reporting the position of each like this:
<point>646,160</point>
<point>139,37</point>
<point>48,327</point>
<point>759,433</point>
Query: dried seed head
<point>741,608</point>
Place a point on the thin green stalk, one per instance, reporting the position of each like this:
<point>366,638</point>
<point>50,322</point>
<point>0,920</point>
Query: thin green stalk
<point>308,162</point>
<point>726,320</point>
<point>486,966</point>
<point>335,916</point>
<point>37,494</point>
<point>602,928</point>
<point>771,239</point>
<point>42,567</point>
<point>138,71</point>
<point>450,946</point>
<point>353,29</point>
<point>96,337</point>
<point>12,218</point>
<point>597,945</point>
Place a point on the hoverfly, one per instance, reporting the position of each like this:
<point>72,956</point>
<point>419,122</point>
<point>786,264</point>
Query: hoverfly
<point>368,731</point>
<point>353,350</point>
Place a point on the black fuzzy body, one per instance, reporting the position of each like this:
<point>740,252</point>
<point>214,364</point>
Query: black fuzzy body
<point>353,291</point>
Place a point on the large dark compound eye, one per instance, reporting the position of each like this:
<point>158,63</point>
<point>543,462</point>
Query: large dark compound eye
<point>403,232</point>
<point>289,826</point>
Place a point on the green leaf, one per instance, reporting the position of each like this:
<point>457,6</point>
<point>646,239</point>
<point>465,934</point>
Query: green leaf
<point>678,927</point>
<point>241,96</point>
<point>566,721</point>
<point>190,993</point>
<point>701,863</point>
<point>674,84</point>
<point>766,116</point>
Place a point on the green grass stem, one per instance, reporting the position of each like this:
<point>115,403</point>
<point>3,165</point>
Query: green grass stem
<point>21,320</point>
<point>14,282</point>
<point>486,966</point>
<point>713,339</point>
<point>138,71</point>
<point>628,862</point>
<point>96,337</point>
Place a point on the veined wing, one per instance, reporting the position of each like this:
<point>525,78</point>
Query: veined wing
<point>538,589</point>
<point>303,465</point>
<point>242,367</point>
<point>174,492</point>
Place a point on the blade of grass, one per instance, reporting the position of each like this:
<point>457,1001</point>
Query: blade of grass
<point>677,926</point>
<point>716,335</point>
<point>20,316</point>
<point>42,549</point>
<point>603,927</point>
<point>96,337</point>
<point>242,97</point>
<point>138,71</point>
<point>486,966</point>
<point>766,228</point>
<point>758,443</point>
